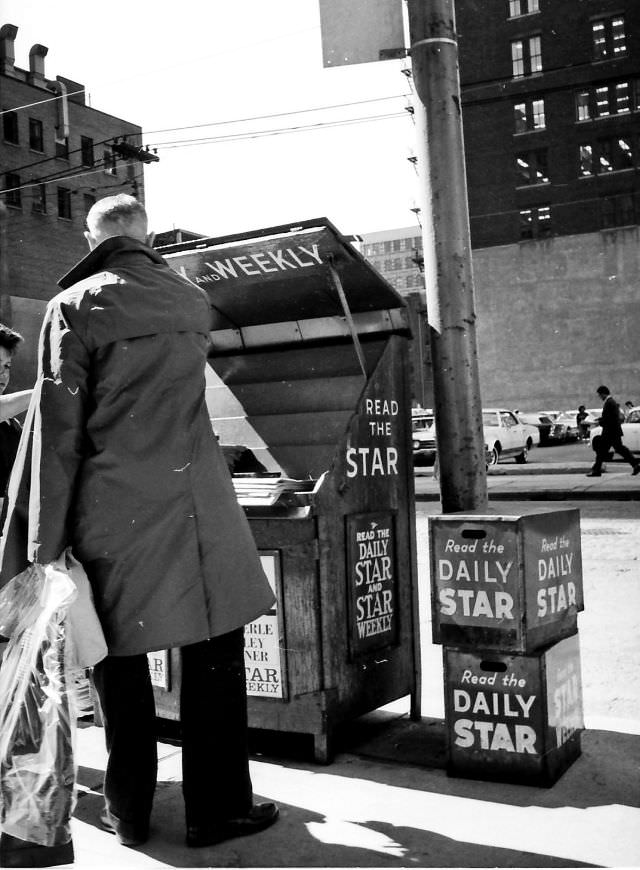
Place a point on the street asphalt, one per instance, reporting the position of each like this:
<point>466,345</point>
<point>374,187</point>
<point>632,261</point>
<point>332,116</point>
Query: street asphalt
<point>386,799</point>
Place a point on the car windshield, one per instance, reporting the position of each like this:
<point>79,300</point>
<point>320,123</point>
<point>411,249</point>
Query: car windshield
<point>634,416</point>
<point>421,423</point>
<point>489,418</point>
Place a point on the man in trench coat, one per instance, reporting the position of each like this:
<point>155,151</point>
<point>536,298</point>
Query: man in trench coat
<point>126,470</point>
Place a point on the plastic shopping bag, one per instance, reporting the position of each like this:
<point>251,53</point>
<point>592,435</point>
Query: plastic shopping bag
<point>38,707</point>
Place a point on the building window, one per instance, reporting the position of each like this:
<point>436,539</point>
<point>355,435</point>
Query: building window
<point>62,148</point>
<point>109,161</point>
<point>615,153</point>
<point>529,115</point>
<point>64,203</point>
<point>10,128</point>
<point>526,56</point>
<point>36,136</point>
<point>531,167</point>
<point>602,101</point>
<point>522,7</point>
<point>12,196</point>
<point>586,161</point>
<point>39,200</point>
<point>86,150</point>
<point>622,98</point>
<point>535,222</point>
<point>607,155</point>
<point>583,106</point>
<point>619,211</point>
<point>609,39</point>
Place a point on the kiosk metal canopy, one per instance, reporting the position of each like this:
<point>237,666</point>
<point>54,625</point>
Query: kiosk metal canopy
<point>300,322</point>
<point>282,276</point>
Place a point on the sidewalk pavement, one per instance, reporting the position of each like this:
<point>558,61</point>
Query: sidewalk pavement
<point>538,481</point>
<point>386,800</point>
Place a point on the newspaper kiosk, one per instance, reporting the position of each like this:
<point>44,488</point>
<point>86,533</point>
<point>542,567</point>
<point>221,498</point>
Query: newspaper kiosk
<point>309,372</point>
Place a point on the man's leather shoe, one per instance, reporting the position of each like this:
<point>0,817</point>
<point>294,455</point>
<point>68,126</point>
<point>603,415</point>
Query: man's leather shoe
<point>128,833</point>
<point>259,817</point>
<point>21,853</point>
<point>593,474</point>
<point>636,469</point>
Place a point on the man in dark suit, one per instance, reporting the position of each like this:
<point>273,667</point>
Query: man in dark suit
<point>611,437</point>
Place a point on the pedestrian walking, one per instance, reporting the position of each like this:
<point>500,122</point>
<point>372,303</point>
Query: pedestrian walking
<point>583,428</point>
<point>611,437</point>
<point>132,479</point>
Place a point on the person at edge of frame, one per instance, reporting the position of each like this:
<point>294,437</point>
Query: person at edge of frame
<point>132,478</point>
<point>611,436</point>
<point>11,404</point>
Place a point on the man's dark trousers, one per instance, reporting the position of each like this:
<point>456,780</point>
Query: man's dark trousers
<point>213,713</point>
<point>606,443</point>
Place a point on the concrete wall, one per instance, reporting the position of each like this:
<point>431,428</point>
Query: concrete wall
<point>557,317</point>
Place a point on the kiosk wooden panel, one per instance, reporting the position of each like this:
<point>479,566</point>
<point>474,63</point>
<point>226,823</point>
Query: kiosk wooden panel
<point>310,354</point>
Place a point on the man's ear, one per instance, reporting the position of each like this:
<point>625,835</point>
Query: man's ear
<point>150,239</point>
<point>90,240</point>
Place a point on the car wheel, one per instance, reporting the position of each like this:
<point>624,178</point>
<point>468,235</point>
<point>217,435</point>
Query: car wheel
<point>494,455</point>
<point>521,458</point>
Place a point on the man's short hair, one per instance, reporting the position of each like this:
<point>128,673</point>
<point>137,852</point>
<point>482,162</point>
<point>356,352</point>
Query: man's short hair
<point>603,391</point>
<point>119,215</point>
<point>9,338</point>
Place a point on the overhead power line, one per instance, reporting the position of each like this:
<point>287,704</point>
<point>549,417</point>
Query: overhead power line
<point>226,122</point>
<point>60,175</point>
<point>258,134</point>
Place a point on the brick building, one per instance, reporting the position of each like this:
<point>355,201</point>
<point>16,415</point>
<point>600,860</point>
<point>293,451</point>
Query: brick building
<point>551,116</point>
<point>551,95</point>
<point>57,156</point>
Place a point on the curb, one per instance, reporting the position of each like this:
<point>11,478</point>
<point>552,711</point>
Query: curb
<point>549,495</point>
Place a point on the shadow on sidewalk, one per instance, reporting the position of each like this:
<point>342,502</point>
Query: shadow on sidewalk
<point>386,801</point>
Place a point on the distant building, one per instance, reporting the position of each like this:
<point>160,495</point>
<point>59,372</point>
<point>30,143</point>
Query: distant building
<point>175,237</point>
<point>57,156</point>
<point>551,116</point>
<point>397,255</point>
<point>551,95</point>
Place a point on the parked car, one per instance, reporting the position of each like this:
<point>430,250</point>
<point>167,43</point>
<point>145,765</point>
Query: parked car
<point>630,431</point>
<point>542,420</point>
<point>505,436</point>
<point>565,426</point>
<point>534,432</point>
<point>423,435</point>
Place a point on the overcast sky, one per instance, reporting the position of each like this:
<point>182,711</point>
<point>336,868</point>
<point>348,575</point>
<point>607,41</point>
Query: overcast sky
<point>202,63</point>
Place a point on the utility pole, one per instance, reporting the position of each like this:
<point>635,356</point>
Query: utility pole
<point>447,254</point>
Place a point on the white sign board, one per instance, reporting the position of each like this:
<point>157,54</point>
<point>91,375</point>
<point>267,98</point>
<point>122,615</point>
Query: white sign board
<point>262,659</point>
<point>361,31</point>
